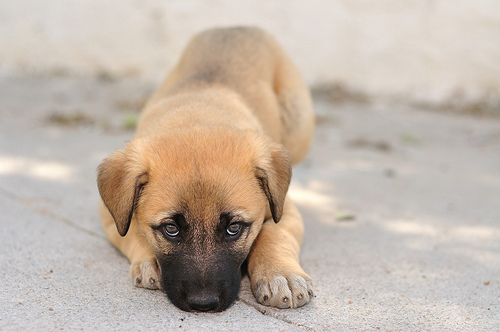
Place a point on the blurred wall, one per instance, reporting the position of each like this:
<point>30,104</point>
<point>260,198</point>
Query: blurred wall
<point>432,49</point>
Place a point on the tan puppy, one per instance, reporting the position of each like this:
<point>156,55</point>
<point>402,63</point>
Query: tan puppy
<point>194,194</point>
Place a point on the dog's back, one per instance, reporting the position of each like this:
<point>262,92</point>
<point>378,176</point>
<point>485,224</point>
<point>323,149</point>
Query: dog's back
<point>249,62</point>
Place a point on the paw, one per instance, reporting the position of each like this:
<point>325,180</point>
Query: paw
<point>146,273</point>
<point>282,289</point>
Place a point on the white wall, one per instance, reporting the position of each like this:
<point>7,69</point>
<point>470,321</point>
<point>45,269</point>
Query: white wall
<point>428,48</point>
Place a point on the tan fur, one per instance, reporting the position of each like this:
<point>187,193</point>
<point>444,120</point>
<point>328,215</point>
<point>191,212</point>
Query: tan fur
<point>219,134</point>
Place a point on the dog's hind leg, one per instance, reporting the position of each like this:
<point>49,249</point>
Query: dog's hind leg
<point>296,109</point>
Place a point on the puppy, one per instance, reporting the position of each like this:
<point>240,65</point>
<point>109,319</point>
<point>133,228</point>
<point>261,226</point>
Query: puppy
<point>202,186</point>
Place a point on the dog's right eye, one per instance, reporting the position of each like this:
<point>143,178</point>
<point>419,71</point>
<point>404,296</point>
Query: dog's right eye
<point>170,230</point>
<point>233,229</point>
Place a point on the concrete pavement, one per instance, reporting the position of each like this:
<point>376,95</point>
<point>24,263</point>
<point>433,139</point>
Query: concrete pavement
<point>402,210</point>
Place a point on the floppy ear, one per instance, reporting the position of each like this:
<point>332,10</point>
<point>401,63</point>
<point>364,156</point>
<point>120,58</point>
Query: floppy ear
<point>120,181</point>
<point>274,175</point>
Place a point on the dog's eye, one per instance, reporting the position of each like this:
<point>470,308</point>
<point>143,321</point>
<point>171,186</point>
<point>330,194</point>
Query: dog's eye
<point>171,230</point>
<point>233,229</point>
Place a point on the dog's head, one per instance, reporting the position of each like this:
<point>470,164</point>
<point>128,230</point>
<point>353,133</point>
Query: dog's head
<point>200,198</point>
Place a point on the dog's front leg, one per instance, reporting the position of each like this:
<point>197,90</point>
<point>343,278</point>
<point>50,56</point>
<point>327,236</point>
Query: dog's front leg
<point>144,268</point>
<point>273,264</point>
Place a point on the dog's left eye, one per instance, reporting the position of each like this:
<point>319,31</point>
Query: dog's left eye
<point>233,229</point>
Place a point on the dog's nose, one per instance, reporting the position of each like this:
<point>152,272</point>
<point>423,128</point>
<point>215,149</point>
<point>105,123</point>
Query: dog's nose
<point>203,302</point>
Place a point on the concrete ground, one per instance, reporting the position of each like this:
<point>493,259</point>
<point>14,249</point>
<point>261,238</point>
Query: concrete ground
<point>402,210</point>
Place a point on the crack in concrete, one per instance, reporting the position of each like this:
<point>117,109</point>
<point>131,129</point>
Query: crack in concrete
<point>44,212</point>
<point>270,313</point>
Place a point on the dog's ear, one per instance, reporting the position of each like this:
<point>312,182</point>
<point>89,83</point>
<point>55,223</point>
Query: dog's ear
<point>120,181</point>
<point>274,174</point>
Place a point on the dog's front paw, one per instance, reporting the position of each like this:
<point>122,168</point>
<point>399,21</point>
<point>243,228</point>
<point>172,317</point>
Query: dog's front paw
<point>282,289</point>
<point>146,273</point>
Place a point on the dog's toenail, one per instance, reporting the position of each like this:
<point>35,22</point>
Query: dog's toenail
<point>137,281</point>
<point>285,299</point>
<point>300,296</point>
<point>152,281</point>
<point>310,292</point>
<point>266,298</point>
